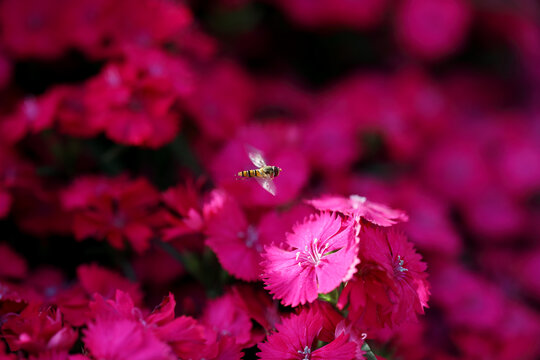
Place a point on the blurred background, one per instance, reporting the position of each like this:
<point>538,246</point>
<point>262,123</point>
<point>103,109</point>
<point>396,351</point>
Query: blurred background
<point>430,106</point>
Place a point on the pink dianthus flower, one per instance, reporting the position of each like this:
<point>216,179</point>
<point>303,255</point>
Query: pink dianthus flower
<point>317,256</point>
<point>296,339</point>
<point>358,207</point>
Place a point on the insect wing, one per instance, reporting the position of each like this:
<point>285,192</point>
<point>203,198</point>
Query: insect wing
<point>267,185</point>
<point>255,156</point>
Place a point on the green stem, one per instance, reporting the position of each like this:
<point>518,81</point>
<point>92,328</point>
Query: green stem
<point>369,355</point>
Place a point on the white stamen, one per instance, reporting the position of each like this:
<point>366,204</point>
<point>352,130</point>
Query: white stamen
<point>252,236</point>
<point>306,353</point>
<point>400,264</point>
<point>312,253</point>
<point>357,200</point>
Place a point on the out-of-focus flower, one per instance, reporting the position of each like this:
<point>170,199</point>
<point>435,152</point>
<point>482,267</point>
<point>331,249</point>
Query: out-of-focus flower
<point>359,207</point>
<point>429,226</point>
<point>110,338</point>
<point>5,71</point>
<point>433,29</point>
<point>494,215</point>
<point>12,265</point>
<point>33,115</point>
<point>467,299</point>
<point>316,258</point>
<point>335,13</point>
<point>36,330</point>
<point>455,169</point>
<point>96,279</point>
<point>133,108</point>
<point>185,210</point>
<point>330,143</point>
<point>33,27</point>
<point>72,113</point>
<point>222,100</point>
<point>114,209</point>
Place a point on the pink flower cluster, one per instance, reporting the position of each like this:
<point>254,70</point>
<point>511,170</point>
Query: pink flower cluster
<point>125,232</point>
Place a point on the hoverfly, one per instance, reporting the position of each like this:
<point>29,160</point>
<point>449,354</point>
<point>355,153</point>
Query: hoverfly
<point>264,174</point>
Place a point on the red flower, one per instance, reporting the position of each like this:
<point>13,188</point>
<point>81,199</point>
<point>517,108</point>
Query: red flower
<point>224,316</point>
<point>33,27</point>
<point>222,100</point>
<point>433,28</point>
<point>12,265</point>
<point>115,209</point>
<point>118,339</point>
<point>134,109</point>
<point>296,338</point>
<point>31,116</point>
<point>35,330</point>
<point>73,113</point>
<point>96,279</point>
<point>335,12</point>
<point>390,286</point>
<point>185,215</point>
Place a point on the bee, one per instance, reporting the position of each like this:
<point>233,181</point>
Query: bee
<point>264,174</point>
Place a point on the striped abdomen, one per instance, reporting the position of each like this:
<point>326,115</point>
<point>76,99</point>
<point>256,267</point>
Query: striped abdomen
<point>250,173</point>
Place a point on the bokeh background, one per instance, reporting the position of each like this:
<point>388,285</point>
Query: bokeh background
<point>430,106</point>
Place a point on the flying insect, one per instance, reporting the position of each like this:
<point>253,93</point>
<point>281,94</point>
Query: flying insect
<point>264,174</point>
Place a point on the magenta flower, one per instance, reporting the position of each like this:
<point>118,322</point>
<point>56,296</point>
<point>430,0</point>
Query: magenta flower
<point>433,28</point>
<point>330,13</point>
<point>122,338</point>
<point>115,209</point>
<point>15,173</point>
<point>222,100</point>
<point>279,142</point>
<point>226,317</point>
<point>317,256</point>
<point>37,329</point>
<point>72,113</point>
<point>134,108</point>
<point>359,207</point>
<point>237,242</point>
<point>97,279</point>
<point>33,115</point>
<point>296,339</point>
<point>257,304</point>
<point>390,286</point>
<point>185,210</point>
<point>12,264</point>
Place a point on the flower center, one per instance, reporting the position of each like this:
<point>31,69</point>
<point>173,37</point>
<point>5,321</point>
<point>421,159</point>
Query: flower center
<point>306,352</point>
<point>312,254</point>
<point>399,269</point>
<point>357,200</point>
<point>251,237</point>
